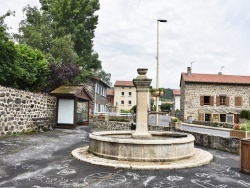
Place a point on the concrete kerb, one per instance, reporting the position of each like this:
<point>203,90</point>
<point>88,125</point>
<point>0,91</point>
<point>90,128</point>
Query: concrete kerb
<point>200,158</point>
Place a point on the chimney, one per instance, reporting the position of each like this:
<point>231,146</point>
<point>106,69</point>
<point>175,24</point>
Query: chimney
<point>189,71</point>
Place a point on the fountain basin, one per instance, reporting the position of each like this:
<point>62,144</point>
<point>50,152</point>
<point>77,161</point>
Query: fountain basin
<point>161,147</point>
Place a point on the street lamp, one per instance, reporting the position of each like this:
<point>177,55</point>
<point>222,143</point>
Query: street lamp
<point>157,71</point>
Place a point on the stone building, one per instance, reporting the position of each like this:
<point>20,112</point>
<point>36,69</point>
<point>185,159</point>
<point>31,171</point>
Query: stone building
<point>97,89</point>
<point>125,95</point>
<point>213,97</point>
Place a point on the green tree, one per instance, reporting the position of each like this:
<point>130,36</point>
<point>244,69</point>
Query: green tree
<point>64,31</point>
<point>166,107</point>
<point>104,76</point>
<point>32,68</point>
<point>77,18</point>
<point>38,32</point>
<point>7,55</point>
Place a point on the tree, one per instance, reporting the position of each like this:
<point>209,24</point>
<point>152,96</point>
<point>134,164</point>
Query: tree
<point>64,31</point>
<point>67,23</point>
<point>37,31</point>
<point>166,107</point>
<point>105,77</point>
<point>76,18</point>
<point>31,68</point>
<point>60,74</point>
<point>7,55</point>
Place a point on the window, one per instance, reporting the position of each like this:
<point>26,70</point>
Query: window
<point>129,102</point>
<point>122,102</point>
<point>109,99</point>
<point>130,93</point>
<point>222,100</point>
<point>206,100</point>
<point>230,118</point>
<point>207,117</point>
<point>122,93</point>
<point>223,118</point>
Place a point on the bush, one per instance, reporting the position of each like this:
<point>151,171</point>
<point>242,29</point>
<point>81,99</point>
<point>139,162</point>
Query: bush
<point>134,109</point>
<point>245,127</point>
<point>175,119</point>
<point>245,114</point>
<point>125,111</point>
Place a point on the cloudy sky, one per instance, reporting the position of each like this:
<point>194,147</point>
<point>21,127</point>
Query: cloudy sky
<point>211,33</point>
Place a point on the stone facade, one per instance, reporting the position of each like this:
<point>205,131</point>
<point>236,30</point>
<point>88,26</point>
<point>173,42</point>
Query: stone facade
<point>18,107</point>
<point>191,108</point>
<point>97,89</point>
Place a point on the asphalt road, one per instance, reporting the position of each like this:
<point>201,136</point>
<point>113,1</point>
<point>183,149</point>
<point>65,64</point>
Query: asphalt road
<point>44,160</point>
<point>164,121</point>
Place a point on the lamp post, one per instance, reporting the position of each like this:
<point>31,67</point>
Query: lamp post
<point>157,72</point>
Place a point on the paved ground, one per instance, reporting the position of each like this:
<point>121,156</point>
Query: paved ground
<point>40,160</point>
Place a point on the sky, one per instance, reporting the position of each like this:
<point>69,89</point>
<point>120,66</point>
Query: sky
<point>213,34</point>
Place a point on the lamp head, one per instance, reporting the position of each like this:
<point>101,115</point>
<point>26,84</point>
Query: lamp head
<point>160,20</point>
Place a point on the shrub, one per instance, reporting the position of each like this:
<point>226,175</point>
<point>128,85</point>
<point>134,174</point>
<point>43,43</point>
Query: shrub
<point>245,127</point>
<point>245,114</point>
<point>175,119</point>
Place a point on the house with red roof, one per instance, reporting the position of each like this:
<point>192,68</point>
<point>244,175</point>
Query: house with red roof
<point>124,95</point>
<point>177,98</point>
<point>110,100</point>
<point>213,97</point>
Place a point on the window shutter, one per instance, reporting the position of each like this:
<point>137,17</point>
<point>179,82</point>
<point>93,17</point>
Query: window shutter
<point>236,101</point>
<point>202,100</point>
<point>227,101</point>
<point>240,101</point>
<point>211,100</point>
<point>217,101</point>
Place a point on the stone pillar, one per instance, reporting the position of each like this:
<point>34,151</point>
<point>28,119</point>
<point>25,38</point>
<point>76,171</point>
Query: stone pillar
<point>142,84</point>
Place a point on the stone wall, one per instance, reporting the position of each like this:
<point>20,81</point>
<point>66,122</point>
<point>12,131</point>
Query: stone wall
<point>231,144</point>
<point>18,107</point>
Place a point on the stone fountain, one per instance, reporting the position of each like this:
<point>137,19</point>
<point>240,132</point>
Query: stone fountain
<point>142,149</point>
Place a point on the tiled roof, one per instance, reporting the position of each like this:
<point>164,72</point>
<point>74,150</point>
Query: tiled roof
<point>124,83</point>
<point>110,92</point>
<point>216,78</point>
<point>73,91</point>
<point>176,91</point>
